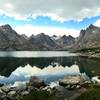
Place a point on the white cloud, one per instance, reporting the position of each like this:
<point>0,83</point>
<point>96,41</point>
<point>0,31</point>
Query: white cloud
<point>29,30</point>
<point>59,10</point>
<point>97,23</point>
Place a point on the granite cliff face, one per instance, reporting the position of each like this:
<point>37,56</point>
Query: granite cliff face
<point>89,38</point>
<point>66,40</point>
<point>10,40</point>
<point>44,42</point>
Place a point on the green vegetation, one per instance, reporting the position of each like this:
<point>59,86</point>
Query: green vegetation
<point>37,95</point>
<point>92,93</point>
<point>95,50</point>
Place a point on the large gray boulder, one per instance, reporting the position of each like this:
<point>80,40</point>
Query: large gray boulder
<point>36,82</point>
<point>71,80</point>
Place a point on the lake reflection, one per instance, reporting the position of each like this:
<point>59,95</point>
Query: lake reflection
<point>47,68</point>
<point>48,74</point>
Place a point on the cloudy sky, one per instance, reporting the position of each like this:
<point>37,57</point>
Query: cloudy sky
<point>50,16</point>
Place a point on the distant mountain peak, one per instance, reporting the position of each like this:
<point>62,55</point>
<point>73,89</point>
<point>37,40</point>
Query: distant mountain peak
<point>54,36</point>
<point>32,36</point>
<point>91,26</point>
<point>64,36</point>
<point>89,38</point>
<point>67,37</point>
<point>6,26</point>
<point>70,36</point>
<point>42,33</point>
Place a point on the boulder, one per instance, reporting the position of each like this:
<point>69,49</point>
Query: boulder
<point>12,93</point>
<point>36,82</point>
<point>5,89</point>
<point>2,94</point>
<point>18,85</point>
<point>24,93</point>
<point>96,79</point>
<point>70,80</point>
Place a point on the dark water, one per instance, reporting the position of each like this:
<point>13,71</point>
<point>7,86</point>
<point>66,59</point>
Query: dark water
<point>50,66</point>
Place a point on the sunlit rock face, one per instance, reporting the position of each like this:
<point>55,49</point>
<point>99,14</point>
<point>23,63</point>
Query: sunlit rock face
<point>48,74</point>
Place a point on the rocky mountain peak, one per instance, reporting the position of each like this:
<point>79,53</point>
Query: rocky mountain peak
<point>66,41</point>
<point>67,37</point>
<point>82,32</point>
<point>32,36</point>
<point>91,26</point>
<point>89,38</point>
<point>6,27</point>
<point>11,40</point>
<point>70,37</point>
<point>64,36</point>
<point>42,34</point>
<point>54,36</point>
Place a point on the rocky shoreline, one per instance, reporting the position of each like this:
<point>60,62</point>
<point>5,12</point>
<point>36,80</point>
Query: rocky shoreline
<point>66,89</point>
<point>89,55</point>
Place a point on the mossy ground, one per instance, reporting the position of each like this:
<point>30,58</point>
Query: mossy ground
<point>37,95</point>
<point>94,50</point>
<point>92,93</point>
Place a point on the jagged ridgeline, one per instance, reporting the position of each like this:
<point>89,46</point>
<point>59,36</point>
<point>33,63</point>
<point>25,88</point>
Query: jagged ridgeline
<point>89,39</point>
<point>10,40</point>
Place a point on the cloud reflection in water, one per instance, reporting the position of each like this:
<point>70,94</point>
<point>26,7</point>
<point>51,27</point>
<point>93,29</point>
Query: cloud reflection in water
<point>48,74</point>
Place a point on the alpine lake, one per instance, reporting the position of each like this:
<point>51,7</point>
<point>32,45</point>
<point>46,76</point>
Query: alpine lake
<point>50,66</point>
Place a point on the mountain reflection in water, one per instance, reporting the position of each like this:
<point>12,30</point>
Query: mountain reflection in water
<point>20,69</point>
<point>48,74</point>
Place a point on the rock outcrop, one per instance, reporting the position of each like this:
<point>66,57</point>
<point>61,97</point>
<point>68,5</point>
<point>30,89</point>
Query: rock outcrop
<point>71,80</point>
<point>89,38</point>
<point>44,42</point>
<point>65,41</point>
<point>11,40</point>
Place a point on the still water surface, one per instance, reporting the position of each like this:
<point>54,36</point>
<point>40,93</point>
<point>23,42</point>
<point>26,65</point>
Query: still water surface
<point>47,65</point>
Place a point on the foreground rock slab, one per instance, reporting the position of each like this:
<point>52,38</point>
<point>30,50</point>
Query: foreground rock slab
<point>71,80</point>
